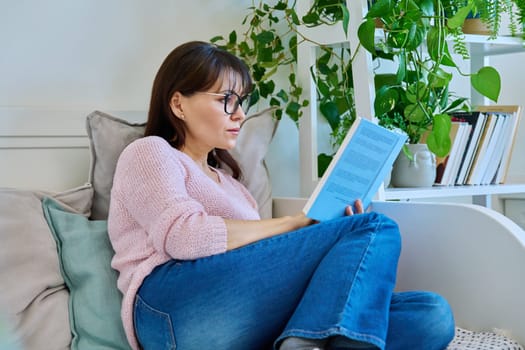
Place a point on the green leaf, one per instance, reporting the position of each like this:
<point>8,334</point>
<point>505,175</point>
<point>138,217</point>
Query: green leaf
<point>438,140</point>
<point>447,60</point>
<point>459,18</point>
<point>487,82</point>
<point>293,110</point>
<point>233,37</point>
<point>323,160</point>
<point>427,7</point>
<point>435,43</point>
<point>295,19</point>
<point>414,114</point>
<point>265,37</point>
<point>401,69</point>
<point>244,48</point>
<point>439,78</point>
<point>216,38</point>
<point>264,54</point>
<point>380,8</point>
<point>283,95</point>
<point>346,18</point>
<point>274,102</point>
<point>365,33</point>
<point>324,89</point>
<point>311,18</point>
<point>416,92</point>
<point>331,113</point>
<point>266,88</point>
<point>281,5</point>
<point>455,104</point>
<point>385,100</point>
<point>258,72</point>
<point>292,44</point>
<point>384,79</point>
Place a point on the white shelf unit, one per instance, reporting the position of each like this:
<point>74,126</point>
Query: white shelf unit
<point>481,48</point>
<point>481,195</point>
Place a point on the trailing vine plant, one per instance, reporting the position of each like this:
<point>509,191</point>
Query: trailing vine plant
<point>268,45</point>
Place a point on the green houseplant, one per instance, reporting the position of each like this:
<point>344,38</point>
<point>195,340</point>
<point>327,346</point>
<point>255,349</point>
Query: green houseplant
<point>269,46</point>
<point>416,98</point>
<point>491,13</point>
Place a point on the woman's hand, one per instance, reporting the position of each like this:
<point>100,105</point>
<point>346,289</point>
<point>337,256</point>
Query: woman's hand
<point>358,208</point>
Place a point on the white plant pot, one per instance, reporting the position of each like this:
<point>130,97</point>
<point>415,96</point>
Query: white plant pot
<point>419,172</point>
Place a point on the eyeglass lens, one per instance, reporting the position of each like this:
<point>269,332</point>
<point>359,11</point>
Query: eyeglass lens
<point>232,101</point>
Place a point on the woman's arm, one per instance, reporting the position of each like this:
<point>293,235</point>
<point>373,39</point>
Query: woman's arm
<point>243,232</point>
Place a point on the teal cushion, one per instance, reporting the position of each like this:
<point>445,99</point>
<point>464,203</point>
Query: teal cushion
<point>85,255</point>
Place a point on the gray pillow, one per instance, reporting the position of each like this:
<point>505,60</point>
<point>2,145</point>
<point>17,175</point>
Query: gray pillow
<point>109,135</point>
<point>33,296</point>
<point>256,135</point>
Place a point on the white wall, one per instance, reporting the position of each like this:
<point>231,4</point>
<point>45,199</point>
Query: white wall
<point>97,54</point>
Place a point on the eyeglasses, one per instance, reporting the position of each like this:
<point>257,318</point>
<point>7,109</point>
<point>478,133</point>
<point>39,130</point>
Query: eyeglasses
<point>232,101</point>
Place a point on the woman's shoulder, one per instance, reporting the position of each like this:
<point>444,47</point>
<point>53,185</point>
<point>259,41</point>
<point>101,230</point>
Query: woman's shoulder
<point>150,150</point>
<point>150,145</point>
<point>148,142</point>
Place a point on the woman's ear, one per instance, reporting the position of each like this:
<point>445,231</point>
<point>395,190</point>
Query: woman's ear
<point>176,105</point>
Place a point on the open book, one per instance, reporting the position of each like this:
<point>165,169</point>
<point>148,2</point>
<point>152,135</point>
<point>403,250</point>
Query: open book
<point>357,170</point>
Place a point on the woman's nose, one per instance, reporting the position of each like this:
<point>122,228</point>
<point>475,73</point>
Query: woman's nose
<point>238,115</point>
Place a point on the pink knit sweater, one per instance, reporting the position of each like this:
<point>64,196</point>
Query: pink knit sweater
<point>163,206</point>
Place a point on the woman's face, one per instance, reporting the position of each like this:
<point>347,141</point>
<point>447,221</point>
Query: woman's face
<point>208,126</point>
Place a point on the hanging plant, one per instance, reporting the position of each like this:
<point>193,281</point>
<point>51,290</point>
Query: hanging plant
<point>268,45</point>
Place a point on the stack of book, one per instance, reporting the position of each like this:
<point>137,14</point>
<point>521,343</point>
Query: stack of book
<point>482,144</point>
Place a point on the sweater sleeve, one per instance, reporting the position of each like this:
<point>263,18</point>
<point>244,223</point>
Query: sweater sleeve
<point>150,182</point>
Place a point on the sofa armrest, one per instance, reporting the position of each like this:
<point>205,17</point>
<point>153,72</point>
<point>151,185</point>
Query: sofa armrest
<point>471,255</point>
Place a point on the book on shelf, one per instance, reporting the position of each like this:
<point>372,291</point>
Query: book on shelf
<point>486,154</point>
<point>494,157</point>
<point>497,172</point>
<point>357,170</point>
<point>442,162</point>
<point>477,121</point>
<point>481,149</point>
<point>447,167</point>
<point>457,152</point>
<point>487,148</point>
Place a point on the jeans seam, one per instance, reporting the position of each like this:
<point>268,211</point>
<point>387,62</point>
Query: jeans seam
<point>163,314</point>
<point>297,332</point>
<point>364,337</point>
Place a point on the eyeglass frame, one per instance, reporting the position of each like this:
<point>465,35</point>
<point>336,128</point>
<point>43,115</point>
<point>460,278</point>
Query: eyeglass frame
<point>226,96</point>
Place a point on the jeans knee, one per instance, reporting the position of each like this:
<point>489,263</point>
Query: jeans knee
<point>387,228</point>
<point>420,320</point>
<point>440,324</point>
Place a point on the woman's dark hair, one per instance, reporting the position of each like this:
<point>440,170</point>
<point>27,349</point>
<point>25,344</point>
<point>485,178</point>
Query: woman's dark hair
<point>191,67</point>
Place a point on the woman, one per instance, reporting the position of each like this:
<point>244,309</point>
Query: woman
<point>200,270</point>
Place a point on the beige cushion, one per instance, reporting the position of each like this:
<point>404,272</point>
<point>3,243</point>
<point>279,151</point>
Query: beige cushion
<point>33,297</point>
<point>251,148</point>
<point>109,135</point>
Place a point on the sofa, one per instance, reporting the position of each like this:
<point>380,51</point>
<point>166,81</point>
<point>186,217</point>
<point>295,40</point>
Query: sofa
<point>58,290</point>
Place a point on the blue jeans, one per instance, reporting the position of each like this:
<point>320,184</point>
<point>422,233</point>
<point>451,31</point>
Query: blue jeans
<point>334,278</point>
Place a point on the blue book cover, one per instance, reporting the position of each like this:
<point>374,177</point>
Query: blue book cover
<point>357,170</point>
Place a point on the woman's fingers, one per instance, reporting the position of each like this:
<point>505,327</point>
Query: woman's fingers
<point>358,208</point>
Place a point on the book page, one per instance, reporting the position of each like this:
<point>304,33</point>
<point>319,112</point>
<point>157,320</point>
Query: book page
<point>357,170</point>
